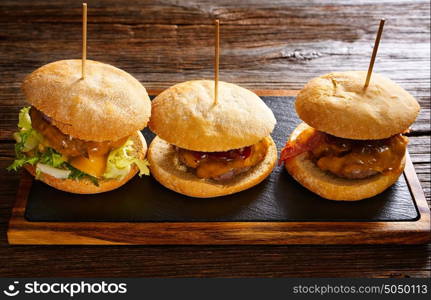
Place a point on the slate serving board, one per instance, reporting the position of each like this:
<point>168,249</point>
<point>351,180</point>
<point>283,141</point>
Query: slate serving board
<point>278,198</point>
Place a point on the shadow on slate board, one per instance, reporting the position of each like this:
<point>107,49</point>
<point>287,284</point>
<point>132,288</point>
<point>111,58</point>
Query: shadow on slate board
<point>278,198</point>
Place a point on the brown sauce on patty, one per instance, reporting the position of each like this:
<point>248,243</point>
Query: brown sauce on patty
<point>346,158</point>
<point>67,145</point>
<point>223,165</point>
<point>355,159</point>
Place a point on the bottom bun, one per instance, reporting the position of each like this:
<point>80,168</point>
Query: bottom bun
<point>162,156</point>
<point>85,186</point>
<point>332,187</point>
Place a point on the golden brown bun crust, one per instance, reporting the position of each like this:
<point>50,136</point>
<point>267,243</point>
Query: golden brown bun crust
<point>161,157</point>
<point>107,105</point>
<point>185,115</point>
<point>336,103</point>
<point>332,187</point>
<point>85,186</point>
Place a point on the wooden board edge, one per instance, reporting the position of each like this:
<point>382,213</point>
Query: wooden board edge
<point>424,221</point>
<point>218,233</point>
<point>260,92</point>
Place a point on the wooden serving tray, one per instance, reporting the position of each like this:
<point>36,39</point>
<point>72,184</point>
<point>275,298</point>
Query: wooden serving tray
<point>277,211</point>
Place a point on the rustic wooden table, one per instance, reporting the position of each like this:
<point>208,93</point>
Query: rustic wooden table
<point>265,44</point>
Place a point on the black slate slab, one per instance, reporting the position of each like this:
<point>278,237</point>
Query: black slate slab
<point>278,198</point>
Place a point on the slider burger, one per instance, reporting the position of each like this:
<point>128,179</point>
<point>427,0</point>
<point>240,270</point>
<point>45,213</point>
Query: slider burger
<point>205,148</point>
<point>351,145</point>
<point>82,135</point>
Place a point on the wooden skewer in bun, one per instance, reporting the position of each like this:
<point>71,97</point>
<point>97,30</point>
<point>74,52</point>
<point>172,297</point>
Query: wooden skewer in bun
<point>373,56</point>
<point>216,58</point>
<point>84,39</point>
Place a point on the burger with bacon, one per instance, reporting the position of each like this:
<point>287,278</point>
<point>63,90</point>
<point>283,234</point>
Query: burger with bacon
<point>82,135</point>
<point>206,147</point>
<point>351,145</point>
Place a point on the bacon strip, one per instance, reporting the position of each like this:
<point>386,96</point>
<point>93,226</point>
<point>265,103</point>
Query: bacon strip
<point>301,145</point>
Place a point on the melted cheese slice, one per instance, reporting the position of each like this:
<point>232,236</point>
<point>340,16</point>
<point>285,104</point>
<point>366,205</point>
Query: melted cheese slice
<point>94,165</point>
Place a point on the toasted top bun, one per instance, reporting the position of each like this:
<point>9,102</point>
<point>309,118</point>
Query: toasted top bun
<point>107,105</point>
<point>185,115</point>
<point>336,103</point>
<point>85,186</point>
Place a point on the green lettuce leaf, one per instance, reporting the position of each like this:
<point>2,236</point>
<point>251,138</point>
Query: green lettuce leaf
<point>24,120</point>
<point>26,138</point>
<point>120,162</point>
<point>52,158</point>
<point>28,152</point>
<point>77,175</point>
<point>20,162</point>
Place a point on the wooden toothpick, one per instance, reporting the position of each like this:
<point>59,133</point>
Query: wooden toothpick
<point>373,56</point>
<point>84,39</point>
<point>216,59</point>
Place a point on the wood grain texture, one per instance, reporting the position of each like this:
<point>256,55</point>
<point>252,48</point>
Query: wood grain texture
<point>266,45</point>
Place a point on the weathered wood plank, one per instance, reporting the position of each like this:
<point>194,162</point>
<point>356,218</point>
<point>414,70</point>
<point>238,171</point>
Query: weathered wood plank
<point>266,44</point>
<point>231,261</point>
<point>282,44</point>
